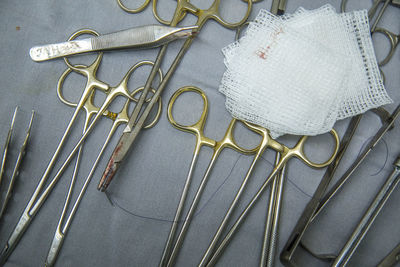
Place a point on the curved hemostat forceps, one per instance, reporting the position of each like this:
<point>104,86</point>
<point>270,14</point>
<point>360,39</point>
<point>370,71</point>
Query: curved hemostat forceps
<point>135,122</point>
<point>285,154</point>
<point>118,119</point>
<point>42,192</point>
<point>139,37</point>
<point>17,166</point>
<point>227,141</point>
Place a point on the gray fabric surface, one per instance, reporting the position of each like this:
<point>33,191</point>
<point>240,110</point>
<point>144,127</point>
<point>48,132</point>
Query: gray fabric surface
<point>149,183</point>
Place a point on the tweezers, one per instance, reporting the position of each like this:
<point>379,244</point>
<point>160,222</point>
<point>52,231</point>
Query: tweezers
<point>138,37</point>
<point>17,166</point>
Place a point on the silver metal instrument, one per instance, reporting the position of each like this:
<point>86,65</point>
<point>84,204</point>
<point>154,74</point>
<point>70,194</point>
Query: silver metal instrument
<point>17,166</point>
<point>369,217</point>
<point>137,37</point>
<point>272,222</point>
<point>6,146</point>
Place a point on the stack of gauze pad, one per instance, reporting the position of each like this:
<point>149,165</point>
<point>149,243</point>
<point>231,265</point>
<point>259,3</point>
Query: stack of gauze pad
<point>300,73</point>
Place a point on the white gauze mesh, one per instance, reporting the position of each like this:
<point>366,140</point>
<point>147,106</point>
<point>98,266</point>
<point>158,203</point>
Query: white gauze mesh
<point>299,73</point>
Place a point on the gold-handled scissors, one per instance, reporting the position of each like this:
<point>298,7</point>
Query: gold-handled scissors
<point>227,141</point>
<point>92,84</point>
<point>285,154</point>
<point>135,122</point>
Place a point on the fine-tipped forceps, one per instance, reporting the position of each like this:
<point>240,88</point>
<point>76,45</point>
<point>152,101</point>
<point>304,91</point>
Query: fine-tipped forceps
<point>392,258</point>
<point>92,83</point>
<point>369,216</point>
<point>7,145</point>
<point>121,118</point>
<point>135,122</point>
<point>138,37</point>
<point>285,154</point>
<point>227,141</point>
<point>320,199</point>
<point>17,166</point>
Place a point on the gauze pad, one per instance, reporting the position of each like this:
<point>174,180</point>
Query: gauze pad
<point>300,73</point>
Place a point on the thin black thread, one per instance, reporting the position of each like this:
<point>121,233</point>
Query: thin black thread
<point>386,158</point>
<point>113,202</point>
<point>290,180</point>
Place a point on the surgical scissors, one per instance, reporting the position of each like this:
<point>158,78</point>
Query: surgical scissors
<point>40,194</point>
<point>227,141</point>
<point>285,154</point>
<point>135,124</point>
<point>120,118</point>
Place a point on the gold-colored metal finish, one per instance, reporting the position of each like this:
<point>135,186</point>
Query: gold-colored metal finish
<point>198,127</point>
<point>285,154</point>
<point>297,151</point>
<point>119,118</point>
<point>132,10</point>
<point>228,141</point>
<point>93,114</point>
<point>136,122</point>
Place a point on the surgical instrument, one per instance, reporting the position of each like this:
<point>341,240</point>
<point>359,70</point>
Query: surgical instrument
<point>393,38</point>
<point>320,200</point>
<point>6,146</point>
<point>369,216</point>
<point>41,192</point>
<point>295,237</point>
<point>285,154</point>
<point>183,7</point>
<point>394,42</point>
<point>392,258</point>
<point>387,125</point>
<point>316,203</point>
<point>272,223</point>
<point>17,166</point>
<point>268,249</point>
<point>278,7</point>
<point>120,118</point>
<point>227,141</point>
<point>138,37</point>
<point>373,9</point>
